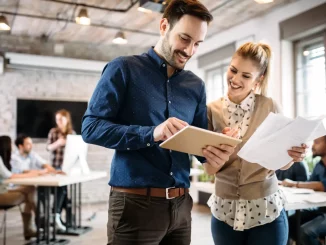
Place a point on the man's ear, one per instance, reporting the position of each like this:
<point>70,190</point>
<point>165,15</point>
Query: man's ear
<point>164,26</point>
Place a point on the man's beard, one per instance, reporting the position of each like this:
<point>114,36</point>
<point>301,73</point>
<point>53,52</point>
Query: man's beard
<point>27,152</point>
<point>317,155</point>
<point>169,54</point>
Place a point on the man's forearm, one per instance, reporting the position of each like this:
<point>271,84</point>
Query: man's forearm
<point>315,185</point>
<point>114,136</point>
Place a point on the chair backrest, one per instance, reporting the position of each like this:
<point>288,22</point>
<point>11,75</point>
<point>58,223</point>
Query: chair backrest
<point>6,207</point>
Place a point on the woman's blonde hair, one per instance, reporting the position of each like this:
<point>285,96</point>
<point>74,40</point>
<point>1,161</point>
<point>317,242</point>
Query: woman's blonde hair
<point>260,54</point>
<point>66,114</point>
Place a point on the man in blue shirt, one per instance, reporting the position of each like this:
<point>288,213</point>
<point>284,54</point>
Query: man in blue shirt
<point>297,172</point>
<point>139,102</point>
<point>313,221</point>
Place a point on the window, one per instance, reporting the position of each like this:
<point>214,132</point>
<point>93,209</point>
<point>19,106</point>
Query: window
<point>216,84</point>
<point>310,84</point>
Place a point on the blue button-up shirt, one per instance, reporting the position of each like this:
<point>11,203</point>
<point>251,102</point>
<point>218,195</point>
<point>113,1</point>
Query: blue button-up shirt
<point>133,96</point>
<point>319,173</point>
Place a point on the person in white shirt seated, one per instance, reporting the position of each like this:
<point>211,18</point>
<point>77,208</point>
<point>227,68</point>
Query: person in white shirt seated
<point>26,160</point>
<point>18,194</point>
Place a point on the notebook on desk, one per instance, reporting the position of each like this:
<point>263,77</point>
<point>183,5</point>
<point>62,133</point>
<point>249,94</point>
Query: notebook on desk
<point>192,140</point>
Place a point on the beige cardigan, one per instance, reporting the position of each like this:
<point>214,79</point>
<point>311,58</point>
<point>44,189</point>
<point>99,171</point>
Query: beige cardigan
<point>239,179</point>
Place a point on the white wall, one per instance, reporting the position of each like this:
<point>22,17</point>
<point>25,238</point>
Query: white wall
<point>266,29</point>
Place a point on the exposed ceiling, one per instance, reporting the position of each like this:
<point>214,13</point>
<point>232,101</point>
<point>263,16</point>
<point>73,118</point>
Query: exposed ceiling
<point>56,21</point>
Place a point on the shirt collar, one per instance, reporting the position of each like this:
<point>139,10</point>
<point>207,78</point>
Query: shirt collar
<point>160,62</point>
<point>245,105</point>
<point>17,153</point>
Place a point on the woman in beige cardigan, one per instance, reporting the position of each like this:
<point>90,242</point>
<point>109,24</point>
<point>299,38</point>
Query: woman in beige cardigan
<point>247,206</point>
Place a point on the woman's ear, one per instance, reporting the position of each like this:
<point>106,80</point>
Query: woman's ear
<point>261,78</point>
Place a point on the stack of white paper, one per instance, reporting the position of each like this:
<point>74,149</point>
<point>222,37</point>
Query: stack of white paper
<point>269,144</point>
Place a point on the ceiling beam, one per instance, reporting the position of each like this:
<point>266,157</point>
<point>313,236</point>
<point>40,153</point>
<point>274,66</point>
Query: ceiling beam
<point>132,3</point>
<point>73,21</point>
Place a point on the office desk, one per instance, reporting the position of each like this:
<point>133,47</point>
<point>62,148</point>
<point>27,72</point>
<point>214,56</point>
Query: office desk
<point>298,202</point>
<point>47,182</point>
<point>294,201</point>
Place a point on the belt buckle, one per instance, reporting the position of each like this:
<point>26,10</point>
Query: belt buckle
<point>167,193</point>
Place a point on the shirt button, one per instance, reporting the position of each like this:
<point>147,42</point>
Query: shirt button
<point>171,173</point>
<point>168,81</point>
<point>148,144</point>
<point>169,101</point>
<point>170,151</point>
<point>163,65</point>
<point>128,149</point>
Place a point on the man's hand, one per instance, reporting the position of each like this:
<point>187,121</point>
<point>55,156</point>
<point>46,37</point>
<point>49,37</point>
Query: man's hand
<point>43,171</point>
<point>168,128</point>
<point>217,156</point>
<point>289,183</point>
<point>49,168</point>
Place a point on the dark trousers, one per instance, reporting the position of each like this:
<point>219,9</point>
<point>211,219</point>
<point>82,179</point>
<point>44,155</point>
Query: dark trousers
<point>312,225</point>
<point>144,220</point>
<point>274,233</point>
<point>61,197</point>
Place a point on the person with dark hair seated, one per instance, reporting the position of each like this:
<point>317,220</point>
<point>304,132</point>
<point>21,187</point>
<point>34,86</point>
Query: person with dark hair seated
<point>322,236</point>
<point>297,172</point>
<point>24,159</point>
<point>17,195</point>
<point>313,221</point>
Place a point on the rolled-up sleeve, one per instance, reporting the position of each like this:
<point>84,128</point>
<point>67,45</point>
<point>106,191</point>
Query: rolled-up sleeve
<point>100,126</point>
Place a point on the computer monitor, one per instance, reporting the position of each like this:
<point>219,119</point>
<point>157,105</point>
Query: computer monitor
<point>75,156</point>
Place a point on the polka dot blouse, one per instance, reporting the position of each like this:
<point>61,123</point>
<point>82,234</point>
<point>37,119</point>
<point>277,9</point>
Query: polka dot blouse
<point>245,214</point>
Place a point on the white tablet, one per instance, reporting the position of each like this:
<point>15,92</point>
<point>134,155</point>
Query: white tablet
<point>192,140</point>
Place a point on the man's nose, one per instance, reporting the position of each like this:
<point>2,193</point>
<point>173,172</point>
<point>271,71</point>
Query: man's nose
<point>190,50</point>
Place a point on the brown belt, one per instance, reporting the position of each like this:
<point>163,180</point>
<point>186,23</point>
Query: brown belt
<point>168,193</point>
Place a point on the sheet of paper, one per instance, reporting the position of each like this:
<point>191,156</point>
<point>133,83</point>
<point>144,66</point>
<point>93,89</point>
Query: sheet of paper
<point>292,190</point>
<point>316,198</point>
<point>269,144</point>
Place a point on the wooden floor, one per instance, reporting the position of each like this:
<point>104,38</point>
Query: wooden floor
<point>201,234</point>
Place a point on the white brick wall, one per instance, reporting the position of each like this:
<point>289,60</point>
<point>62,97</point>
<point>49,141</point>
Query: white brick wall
<point>47,84</point>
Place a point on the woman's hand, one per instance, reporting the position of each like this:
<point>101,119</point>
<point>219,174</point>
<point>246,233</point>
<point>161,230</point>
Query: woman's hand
<point>61,142</point>
<point>217,156</point>
<point>298,153</point>
<point>209,169</point>
<point>232,132</point>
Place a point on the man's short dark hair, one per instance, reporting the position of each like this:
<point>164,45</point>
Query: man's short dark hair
<point>20,139</point>
<point>177,8</point>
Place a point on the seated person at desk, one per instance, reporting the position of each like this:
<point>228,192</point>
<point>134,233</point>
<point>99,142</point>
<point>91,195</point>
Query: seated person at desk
<point>297,172</point>
<point>19,194</point>
<point>24,159</point>
<point>311,220</point>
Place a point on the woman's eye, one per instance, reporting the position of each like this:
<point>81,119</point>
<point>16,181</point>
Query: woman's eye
<point>246,77</point>
<point>233,71</point>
